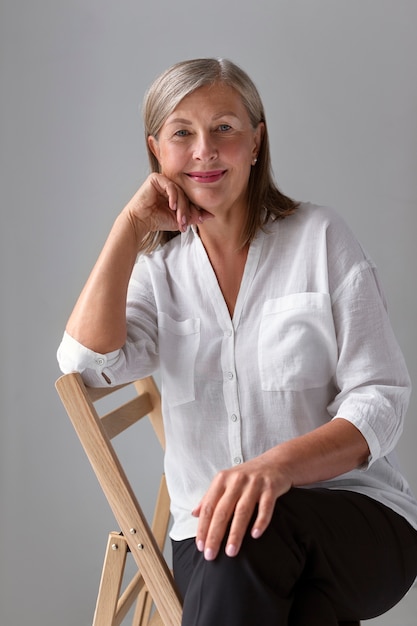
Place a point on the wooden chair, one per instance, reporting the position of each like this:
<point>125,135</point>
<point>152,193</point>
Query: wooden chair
<point>153,584</point>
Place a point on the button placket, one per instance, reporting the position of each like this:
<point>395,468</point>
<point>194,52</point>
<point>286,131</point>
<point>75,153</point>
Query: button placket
<point>231,397</point>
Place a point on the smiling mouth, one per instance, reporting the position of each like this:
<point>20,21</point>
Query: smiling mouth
<point>206,177</point>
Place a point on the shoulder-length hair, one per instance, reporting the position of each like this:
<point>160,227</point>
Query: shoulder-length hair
<point>167,91</point>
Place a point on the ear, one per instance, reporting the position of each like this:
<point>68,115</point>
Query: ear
<point>153,146</point>
<point>259,133</point>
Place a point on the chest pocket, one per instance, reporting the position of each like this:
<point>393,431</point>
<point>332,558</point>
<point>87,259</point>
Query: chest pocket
<point>178,346</point>
<point>297,343</point>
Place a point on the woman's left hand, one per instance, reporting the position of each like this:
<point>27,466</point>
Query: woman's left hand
<point>233,496</point>
<point>330,450</point>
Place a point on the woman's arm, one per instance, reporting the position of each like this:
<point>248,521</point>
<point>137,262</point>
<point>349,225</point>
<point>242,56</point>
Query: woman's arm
<point>333,449</point>
<point>98,320</point>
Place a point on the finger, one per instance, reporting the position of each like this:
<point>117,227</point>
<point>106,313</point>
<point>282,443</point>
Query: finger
<point>196,512</point>
<point>206,510</point>
<point>191,214</point>
<point>241,517</point>
<point>178,204</point>
<point>172,193</point>
<point>204,513</point>
<point>199,215</point>
<point>266,508</point>
<point>214,526</point>
<point>183,210</point>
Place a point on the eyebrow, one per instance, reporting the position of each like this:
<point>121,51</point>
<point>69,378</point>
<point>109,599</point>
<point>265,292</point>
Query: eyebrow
<point>226,114</point>
<point>181,120</point>
<point>178,120</point>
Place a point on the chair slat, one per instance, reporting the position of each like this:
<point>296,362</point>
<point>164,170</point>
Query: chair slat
<point>96,393</point>
<point>119,419</point>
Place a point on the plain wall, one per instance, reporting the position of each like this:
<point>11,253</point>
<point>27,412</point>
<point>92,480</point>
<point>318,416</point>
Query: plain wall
<point>338,79</point>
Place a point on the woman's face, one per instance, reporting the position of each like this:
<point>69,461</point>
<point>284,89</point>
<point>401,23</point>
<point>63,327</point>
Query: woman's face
<point>207,146</point>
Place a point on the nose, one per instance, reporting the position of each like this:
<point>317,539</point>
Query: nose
<point>204,147</point>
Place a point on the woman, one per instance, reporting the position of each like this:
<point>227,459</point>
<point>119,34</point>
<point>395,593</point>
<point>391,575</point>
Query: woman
<point>283,387</point>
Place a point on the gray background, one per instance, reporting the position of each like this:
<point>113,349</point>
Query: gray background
<point>338,78</point>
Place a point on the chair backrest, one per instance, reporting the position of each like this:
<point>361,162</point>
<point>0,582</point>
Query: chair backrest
<point>95,433</point>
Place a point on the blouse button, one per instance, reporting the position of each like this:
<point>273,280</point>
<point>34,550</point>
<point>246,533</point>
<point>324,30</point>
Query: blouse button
<point>237,460</point>
<point>233,417</point>
<point>100,361</point>
<point>229,375</point>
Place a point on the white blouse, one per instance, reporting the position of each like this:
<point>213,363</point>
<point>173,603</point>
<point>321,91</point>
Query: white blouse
<point>310,340</point>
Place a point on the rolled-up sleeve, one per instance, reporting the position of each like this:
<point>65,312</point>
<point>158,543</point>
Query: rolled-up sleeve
<point>94,367</point>
<point>371,373</point>
<point>138,358</point>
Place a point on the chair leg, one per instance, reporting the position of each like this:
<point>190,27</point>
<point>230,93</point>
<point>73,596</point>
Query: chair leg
<point>156,620</point>
<point>143,608</point>
<point>111,580</point>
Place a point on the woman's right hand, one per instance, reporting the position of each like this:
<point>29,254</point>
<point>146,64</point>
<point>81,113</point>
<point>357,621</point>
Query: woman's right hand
<point>161,205</point>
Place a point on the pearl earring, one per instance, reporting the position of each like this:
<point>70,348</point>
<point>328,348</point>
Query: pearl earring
<point>254,161</point>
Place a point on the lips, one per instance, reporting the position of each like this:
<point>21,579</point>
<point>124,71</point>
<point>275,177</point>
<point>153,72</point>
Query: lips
<point>207,177</point>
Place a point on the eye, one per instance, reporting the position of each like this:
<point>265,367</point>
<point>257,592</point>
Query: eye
<point>181,133</point>
<point>224,127</point>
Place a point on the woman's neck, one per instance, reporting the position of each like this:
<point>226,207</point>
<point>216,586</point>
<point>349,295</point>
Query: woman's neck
<point>228,258</point>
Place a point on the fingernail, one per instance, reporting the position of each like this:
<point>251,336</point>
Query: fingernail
<point>209,554</point>
<point>231,550</point>
<point>200,545</point>
<point>256,533</point>
<point>204,218</point>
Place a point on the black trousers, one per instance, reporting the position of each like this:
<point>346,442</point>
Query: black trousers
<point>327,556</point>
